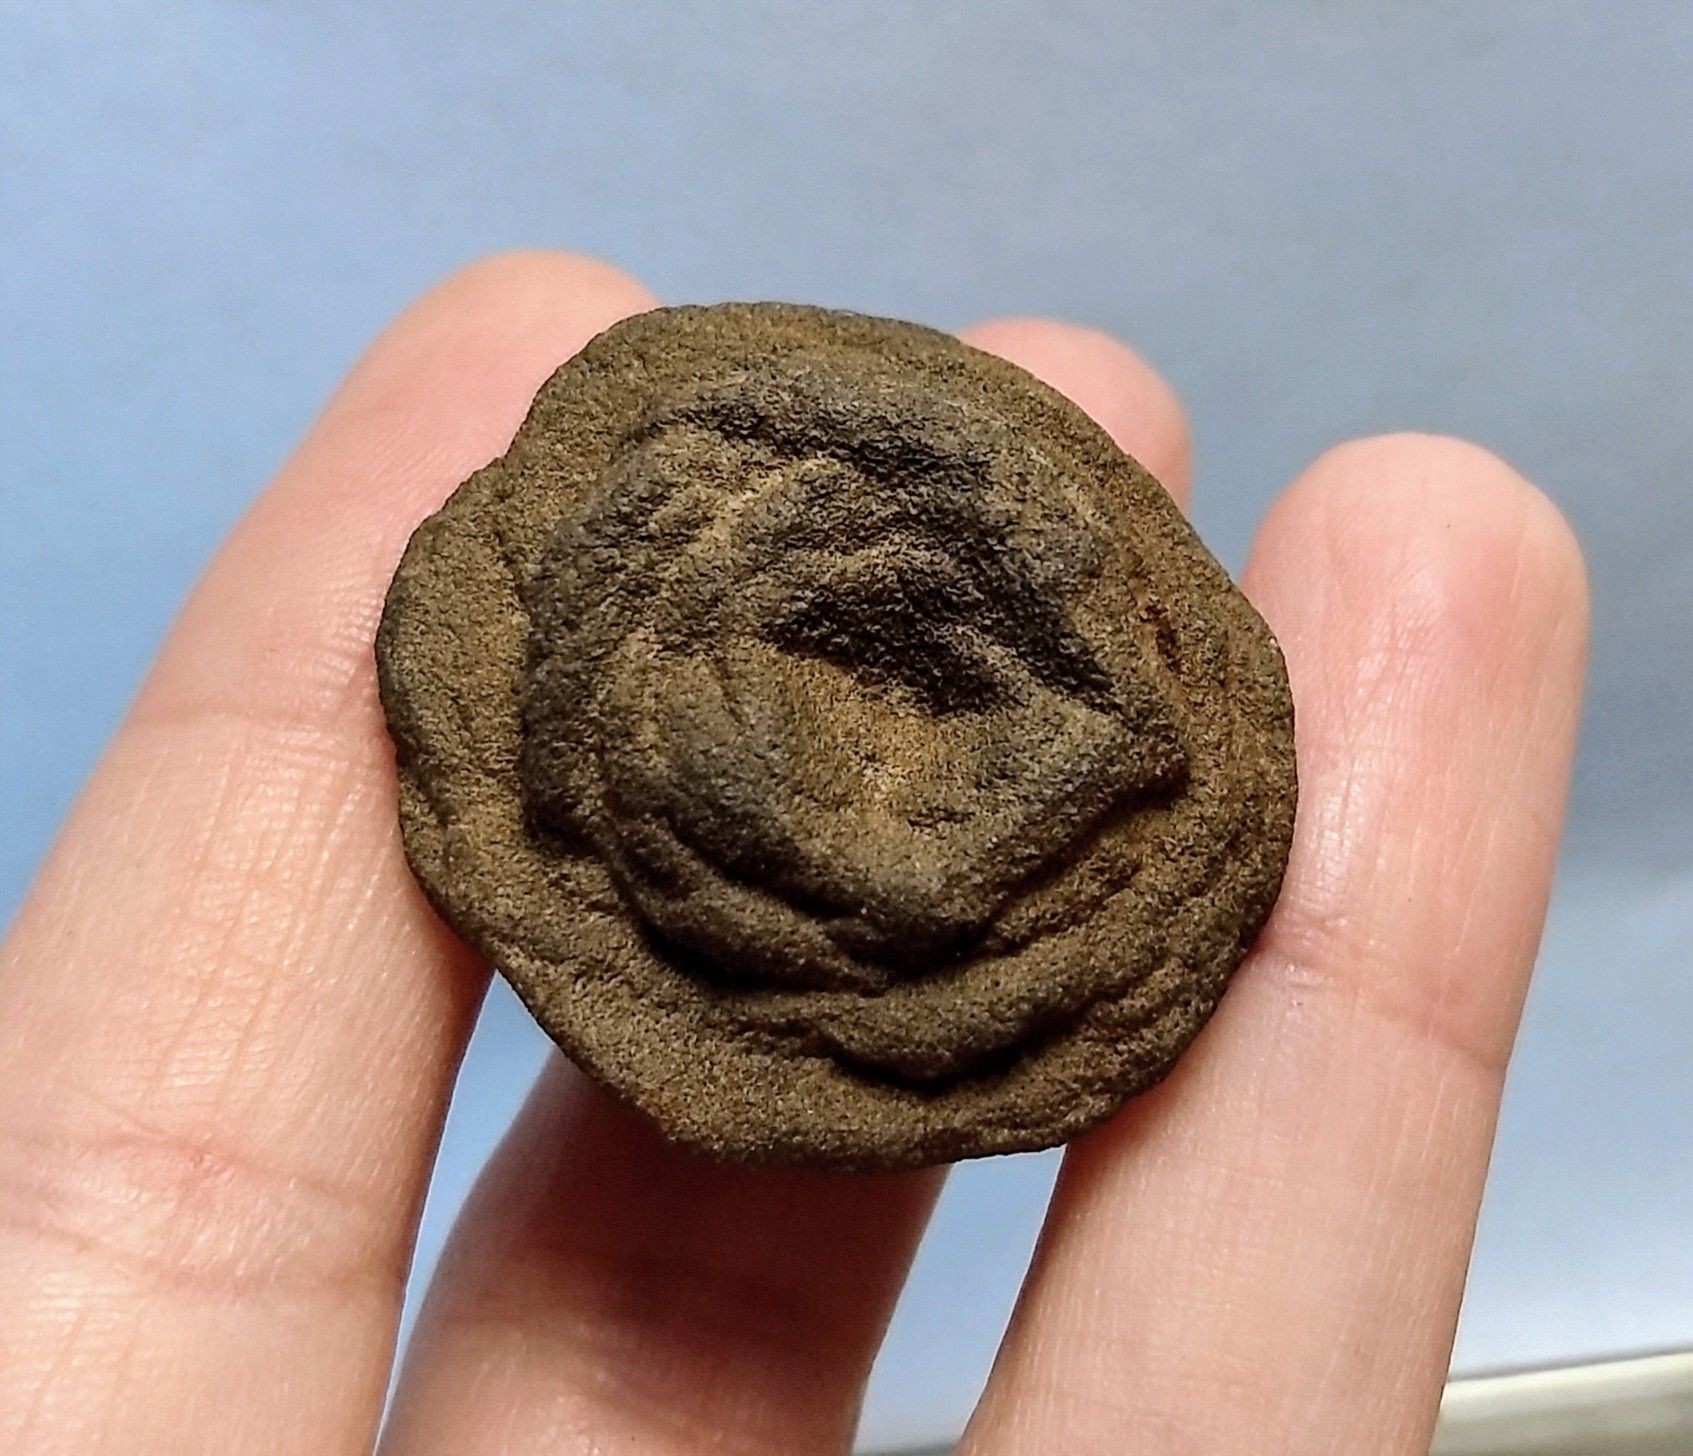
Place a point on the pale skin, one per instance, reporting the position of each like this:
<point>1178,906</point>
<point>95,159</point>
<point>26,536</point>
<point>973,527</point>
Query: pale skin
<point>229,1023</point>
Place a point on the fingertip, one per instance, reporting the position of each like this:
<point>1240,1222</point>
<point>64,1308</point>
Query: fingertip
<point>481,341</point>
<point>526,293</point>
<point>1444,473</point>
<point>1422,590</point>
<point>1124,394</point>
<point>439,393</point>
<point>1440,517</point>
<point>522,271</point>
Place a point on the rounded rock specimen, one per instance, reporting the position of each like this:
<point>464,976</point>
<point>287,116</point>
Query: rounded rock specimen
<point>848,753</point>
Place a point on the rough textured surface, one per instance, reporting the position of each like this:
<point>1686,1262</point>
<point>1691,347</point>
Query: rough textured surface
<point>847,752</point>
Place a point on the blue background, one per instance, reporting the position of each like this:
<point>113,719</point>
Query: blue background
<point>1319,219</point>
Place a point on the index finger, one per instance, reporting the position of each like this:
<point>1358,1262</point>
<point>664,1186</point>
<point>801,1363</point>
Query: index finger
<point>231,1021</point>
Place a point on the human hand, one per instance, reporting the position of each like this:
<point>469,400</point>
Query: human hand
<point>232,1023</point>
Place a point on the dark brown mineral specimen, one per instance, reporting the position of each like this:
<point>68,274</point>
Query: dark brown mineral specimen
<point>847,752</point>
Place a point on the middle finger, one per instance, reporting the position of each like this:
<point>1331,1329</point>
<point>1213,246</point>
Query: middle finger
<point>605,1283</point>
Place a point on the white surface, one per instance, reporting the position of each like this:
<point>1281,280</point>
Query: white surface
<point>1320,219</point>
<point>1641,1407</point>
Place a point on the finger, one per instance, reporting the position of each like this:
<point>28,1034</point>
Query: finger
<point>230,1022</point>
<point>1266,1254</point>
<point>602,1285</point>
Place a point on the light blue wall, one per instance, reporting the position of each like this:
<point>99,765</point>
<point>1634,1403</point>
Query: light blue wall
<point>1319,217</point>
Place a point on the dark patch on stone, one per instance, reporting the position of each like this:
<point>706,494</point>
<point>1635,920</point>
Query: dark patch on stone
<point>848,753</point>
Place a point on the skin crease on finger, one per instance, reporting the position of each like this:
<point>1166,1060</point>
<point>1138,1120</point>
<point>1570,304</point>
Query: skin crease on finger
<point>1267,1253</point>
<point>576,1307</point>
